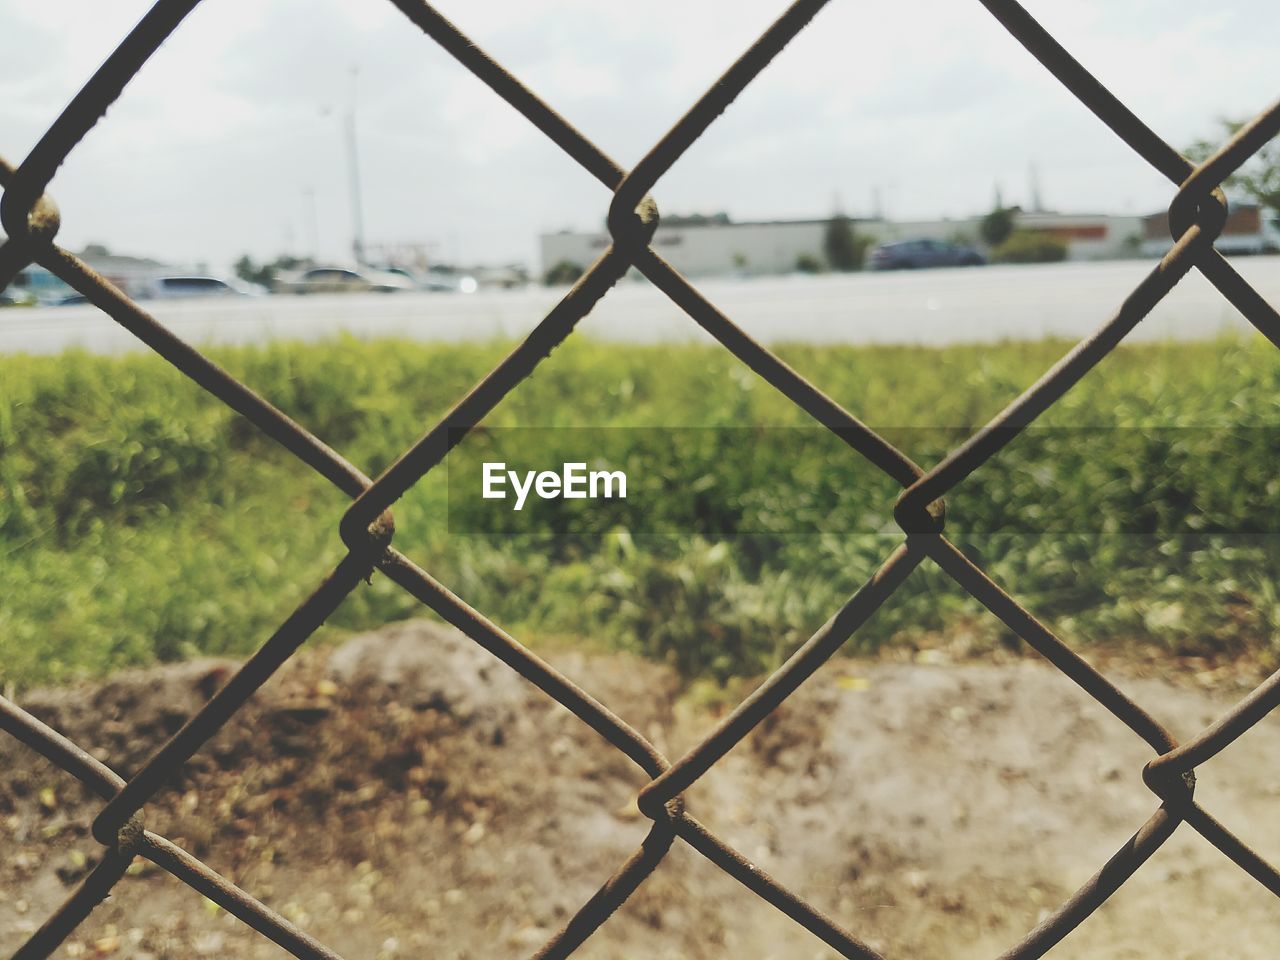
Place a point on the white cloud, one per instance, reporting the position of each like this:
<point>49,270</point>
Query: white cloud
<point>211,150</point>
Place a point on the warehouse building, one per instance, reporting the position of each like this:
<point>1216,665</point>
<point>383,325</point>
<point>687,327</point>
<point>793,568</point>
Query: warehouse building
<point>705,246</point>
<point>1249,229</point>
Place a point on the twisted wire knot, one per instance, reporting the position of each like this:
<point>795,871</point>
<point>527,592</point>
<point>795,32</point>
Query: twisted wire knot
<point>632,230</point>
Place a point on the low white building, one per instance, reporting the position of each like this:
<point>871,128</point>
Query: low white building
<point>1088,236</point>
<point>706,246</point>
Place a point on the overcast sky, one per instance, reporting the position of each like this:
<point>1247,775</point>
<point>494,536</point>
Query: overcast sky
<point>218,145</point>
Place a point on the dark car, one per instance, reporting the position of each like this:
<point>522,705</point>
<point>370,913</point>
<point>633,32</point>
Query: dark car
<point>918,254</point>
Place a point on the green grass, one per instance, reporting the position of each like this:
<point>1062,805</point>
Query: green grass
<point>141,520</point>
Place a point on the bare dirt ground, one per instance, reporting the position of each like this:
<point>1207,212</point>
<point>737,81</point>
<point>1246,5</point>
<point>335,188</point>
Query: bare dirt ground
<point>407,796</point>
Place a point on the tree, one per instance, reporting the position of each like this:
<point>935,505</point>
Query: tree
<point>1259,178</point>
<point>246,269</point>
<point>265,273</point>
<point>564,272</point>
<point>844,248</point>
<point>997,225</point>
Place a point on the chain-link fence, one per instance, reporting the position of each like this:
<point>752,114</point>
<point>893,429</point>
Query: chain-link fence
<point>1196,217</point>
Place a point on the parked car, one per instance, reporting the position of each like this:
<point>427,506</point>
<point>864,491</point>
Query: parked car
<point>183,287</point>
<point>925,252</point>
<point>16,297</point>
<point>449,280</point>
<point>36,284</point>
<point>436,281</point>
<point>343,280</point>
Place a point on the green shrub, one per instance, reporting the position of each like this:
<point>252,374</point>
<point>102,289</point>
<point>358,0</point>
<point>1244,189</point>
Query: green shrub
<point>808,263</point>
<point>562,273</point>
<point>135,468</point>
<point>142,520</point>
<point>1030,246</point>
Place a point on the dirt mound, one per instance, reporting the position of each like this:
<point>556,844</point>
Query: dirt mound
<point>406,795</point>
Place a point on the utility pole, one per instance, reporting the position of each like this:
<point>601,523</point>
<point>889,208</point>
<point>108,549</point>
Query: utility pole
<point>313,222</point>
<point>353,164</point>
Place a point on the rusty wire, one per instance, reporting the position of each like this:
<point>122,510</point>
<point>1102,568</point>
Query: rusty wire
<point>1197,214</point>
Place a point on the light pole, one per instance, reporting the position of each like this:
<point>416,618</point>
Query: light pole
<point>353,167</point>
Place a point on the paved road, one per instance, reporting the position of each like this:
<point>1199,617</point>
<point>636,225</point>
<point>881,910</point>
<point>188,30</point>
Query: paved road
<point>938,306</point>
